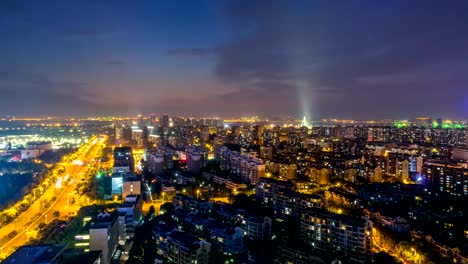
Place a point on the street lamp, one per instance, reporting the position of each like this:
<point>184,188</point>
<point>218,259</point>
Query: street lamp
<point>198,192</point>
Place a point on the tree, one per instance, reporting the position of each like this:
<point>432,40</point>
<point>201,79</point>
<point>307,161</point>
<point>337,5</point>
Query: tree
<point>167,208</point>
<point>3,219</point>
<point>152,210</point>
<point>56,214</point>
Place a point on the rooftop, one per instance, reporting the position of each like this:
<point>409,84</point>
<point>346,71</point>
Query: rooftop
<point>35,254</point>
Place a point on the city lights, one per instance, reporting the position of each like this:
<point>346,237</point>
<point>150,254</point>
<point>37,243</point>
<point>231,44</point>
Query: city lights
<point>233,131</point>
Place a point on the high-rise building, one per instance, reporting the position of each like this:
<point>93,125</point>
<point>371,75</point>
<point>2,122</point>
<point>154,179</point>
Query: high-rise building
<point>131,185</point>
<point>285,202</point>
<point>248,167</point>
<point>460,154</point>
<point>378,173</point>
<point>419,164</point>
<point>153,119</point>
<point>447,177</point>
<point>288,171</point>
<point>125,183</point>
<point>404,170</point>
<point>258,135</point>
<point>164,122</point>
<point>204,134</point>
<point>131,208</point>
<point>119,132</point>
<point>137,136</point>
<point>194,162</point>
<point>258,228</point>
<point>123,159</point>
<point>155,162</point>
<point>324,176</point>
<point>117,183</point>
<point>101,234</point>
<point>347,236</point>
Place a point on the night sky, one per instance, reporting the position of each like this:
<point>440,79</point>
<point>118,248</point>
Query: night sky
<point>362,60</point>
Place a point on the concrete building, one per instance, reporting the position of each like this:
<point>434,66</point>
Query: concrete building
<point>131,210</point>
<point>124,184</point>
<point>258,228</point>
<point>117,183</point>
<point>351,175</point>
<point>287,171</point>
<point>248,167</point>
<point>30,153</point>
<point>419,164</point>
<point>39,145</point>
<point>183,248</point>
<point>101,234</point>
<point>137,136</point>
<point>285,202</point>
<point>36,254</point>
<point>35,148</point>
<point>218,152</point>
<point>194,161</point>
<point>404,172</point>
<point>119,132</point>
<point>319,175</point>
<point>155,162</point>
<point>324,176</point>
<point>104,235</point>
<point>227,239</point>
<point>131,185</point>
<point>123,159</point>
<point>378,174</point>
<point>350,237</point>
<point>447,177</point>
<point>460,154</point>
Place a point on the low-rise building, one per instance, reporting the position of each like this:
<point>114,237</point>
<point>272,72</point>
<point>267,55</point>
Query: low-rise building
<point>228,239</point>
<point>183,248</point>
<point>40,254</point>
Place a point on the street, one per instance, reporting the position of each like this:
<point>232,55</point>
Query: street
<point>29,220</point>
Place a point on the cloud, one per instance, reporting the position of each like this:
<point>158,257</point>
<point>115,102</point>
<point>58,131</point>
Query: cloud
<point>340,59</point>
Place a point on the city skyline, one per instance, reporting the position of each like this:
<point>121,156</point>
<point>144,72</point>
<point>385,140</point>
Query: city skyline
<point>393,60</point>
<point>232,119</point>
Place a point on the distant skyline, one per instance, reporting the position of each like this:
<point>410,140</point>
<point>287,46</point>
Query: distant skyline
<point>359,60</point>
<point>234,117</point>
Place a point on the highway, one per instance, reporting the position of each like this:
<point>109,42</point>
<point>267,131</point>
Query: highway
<point>29,220</point>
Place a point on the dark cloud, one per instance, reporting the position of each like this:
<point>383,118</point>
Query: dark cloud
<point>351,59</point>
<point>190,52</point>
<point>346,58</point>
